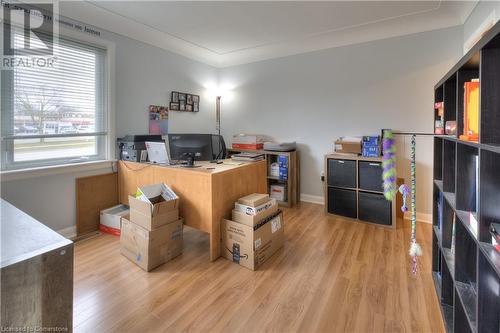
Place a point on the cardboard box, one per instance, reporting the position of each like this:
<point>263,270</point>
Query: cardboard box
<point>254,200</point>
<point>250,210</point>
<point>248,139</point>
<point>157,193</point>
<point>151,217</point>
<point>149,249</point>
<point>110,219</point>
<point>348,147</point>
<point>253,220</point>
<point>251,248</point>
<point>154,206</point>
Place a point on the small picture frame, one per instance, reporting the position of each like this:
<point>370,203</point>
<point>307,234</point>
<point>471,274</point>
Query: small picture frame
<point>175,97</point>
<point>174,106</point>
<point>180,101</point>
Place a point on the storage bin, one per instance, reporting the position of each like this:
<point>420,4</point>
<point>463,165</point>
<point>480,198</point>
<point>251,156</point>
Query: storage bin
<point>342,202</point>
<point>370,176</point>
<point>375,208</point>
<point>342,173</point>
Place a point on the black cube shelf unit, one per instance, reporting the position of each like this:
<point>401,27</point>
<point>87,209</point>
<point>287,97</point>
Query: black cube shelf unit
<point>353,189</point>
<point>465,265</point>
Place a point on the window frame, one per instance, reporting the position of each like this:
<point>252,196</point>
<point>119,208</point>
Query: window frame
<point>105,139</point>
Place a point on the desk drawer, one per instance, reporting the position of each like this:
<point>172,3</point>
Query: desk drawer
<point>342,202</point>
<point>342,173</point>
<point>375,208</point>
<point>370,176</point>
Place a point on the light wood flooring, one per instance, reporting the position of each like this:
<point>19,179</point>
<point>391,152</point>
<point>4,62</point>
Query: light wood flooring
<point>333,275</point>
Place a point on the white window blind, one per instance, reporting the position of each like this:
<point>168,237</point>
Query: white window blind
<point>55,115</point>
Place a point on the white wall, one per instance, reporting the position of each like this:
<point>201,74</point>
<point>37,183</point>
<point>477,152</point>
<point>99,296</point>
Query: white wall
<point>317,97</point>
<point>144,75</point>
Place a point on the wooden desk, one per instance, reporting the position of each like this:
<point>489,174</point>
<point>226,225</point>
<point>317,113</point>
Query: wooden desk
<point>36,273</point>
<point>206,195</point>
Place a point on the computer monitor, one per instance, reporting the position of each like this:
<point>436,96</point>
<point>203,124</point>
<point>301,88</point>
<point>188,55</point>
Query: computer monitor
<point>200,145</point>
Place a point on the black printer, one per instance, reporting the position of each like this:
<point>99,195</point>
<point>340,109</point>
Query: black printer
<point>132,147</point>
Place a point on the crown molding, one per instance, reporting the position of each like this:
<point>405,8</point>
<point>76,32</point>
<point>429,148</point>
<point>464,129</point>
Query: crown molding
<point>436,18</point>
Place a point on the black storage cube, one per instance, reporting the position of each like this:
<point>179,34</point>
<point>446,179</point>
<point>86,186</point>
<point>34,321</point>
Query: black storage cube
<point>370,176</point>
<point>342,202</point>
<point>374,208</point>
<point>342,173</point>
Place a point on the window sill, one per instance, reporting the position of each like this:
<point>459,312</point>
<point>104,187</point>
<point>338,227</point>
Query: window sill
<point>55,170</point>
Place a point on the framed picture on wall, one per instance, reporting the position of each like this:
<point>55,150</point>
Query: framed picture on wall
<point>174,106</point>
<point>175,97</point>
<point>180,101</point>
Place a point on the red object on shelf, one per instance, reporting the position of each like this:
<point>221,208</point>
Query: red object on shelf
<point>439,130</point>
<point>110,230</point>
<point>255,146</point>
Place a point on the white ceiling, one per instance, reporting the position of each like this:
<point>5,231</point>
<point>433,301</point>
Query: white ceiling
<point>229,33</point>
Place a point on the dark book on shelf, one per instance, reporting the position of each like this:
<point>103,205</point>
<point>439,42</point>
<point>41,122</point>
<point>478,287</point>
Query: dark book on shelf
<point>440,210</point>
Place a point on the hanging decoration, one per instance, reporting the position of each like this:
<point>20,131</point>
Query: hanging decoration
<point>415,249</point>
<point>391,189</point>
<point>405,192</point>
<point>389,165</point>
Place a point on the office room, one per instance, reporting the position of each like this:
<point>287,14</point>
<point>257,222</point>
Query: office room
<point>250,166</point>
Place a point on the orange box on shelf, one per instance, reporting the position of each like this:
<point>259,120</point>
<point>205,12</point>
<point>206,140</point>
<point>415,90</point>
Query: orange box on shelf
<point>471,111</point>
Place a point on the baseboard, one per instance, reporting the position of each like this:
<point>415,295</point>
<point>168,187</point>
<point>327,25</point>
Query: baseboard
<point>312,198</point>
<point>69,232</point>
<point>421,217</point>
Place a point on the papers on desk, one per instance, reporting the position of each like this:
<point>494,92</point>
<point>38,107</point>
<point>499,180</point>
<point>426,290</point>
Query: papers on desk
<point>248,157</point>
<point>227,162</point>
<point>155,193</point>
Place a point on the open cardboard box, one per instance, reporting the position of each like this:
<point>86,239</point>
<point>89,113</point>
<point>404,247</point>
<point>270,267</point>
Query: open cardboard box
<point>154,206</point>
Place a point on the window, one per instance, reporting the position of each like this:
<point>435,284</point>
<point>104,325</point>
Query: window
<point>58,115</point>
